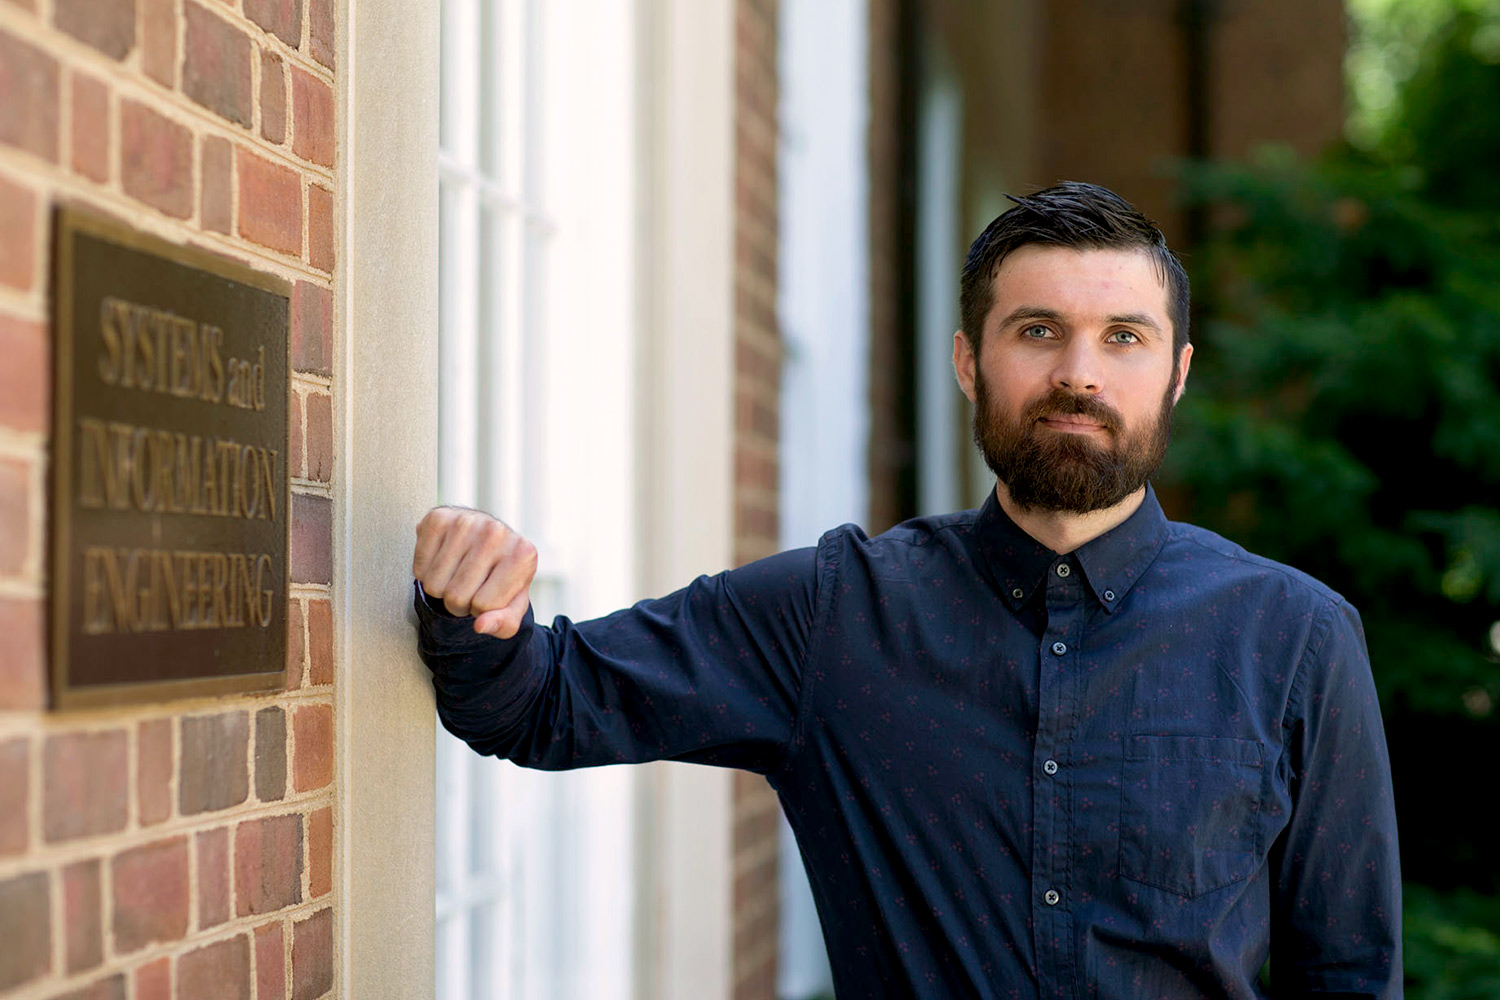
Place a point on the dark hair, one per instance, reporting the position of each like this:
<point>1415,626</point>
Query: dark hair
<point>1078,216</point>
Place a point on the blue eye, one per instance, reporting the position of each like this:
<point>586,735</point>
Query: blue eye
<point>1036,331</point>
<point>1125,337</point>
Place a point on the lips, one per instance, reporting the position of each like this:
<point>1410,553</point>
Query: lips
<point>1071,421</point>
<point>1065,412</point>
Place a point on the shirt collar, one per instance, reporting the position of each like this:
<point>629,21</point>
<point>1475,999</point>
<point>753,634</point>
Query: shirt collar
<point>1111,563</point>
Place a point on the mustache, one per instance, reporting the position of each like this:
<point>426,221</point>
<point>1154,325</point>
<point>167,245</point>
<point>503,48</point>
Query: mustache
<point>1062,402</point>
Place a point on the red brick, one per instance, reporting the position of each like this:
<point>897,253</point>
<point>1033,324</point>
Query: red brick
<point>22,672</point>
<point>213,877</point>
<point>83,915</point>
<point>296,644</point>
<point>90,128</point>
<point>320,227</point>
<point>216,64</point>
<point>17,238</point>
<point>320,33</point>
<point>282,18</point>
<point>272,98</point>
<point>312,328</point>
<point>220,971</point>
<point>312,956</point>
<point>112,988</point>
<point>320,852</point>
<point>312,118</point>
<point>159,40</point>
<point>268,864</point>
<point>217,209</point>
<point>25,929</point>
<point>15,791</point>
<point>320,436</point>
<point>319,642</point>
<point>153,774</point>
<point>15,510</point>
<point>270,754</point>
<point>312,539</point>
<point>153,981</point>
<point>28,98</point>
<point>156,159</point>
<point>25,378</point>
<point>215,773</point>
<point>151,894</point>
<point>107,25</point>
<point>270,962</point>
<point>84,784</point>
<point>312,736</point>
<point>270,203</point>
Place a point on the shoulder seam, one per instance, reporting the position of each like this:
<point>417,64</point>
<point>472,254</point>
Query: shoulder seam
<point>823,590</point>
<point>1310,583</point>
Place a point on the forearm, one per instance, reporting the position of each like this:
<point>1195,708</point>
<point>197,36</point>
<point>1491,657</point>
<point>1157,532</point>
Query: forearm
<point>710,674</point>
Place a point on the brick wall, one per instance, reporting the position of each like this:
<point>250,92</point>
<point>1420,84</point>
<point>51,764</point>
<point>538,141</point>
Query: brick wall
<point>757,427</point>
<point>182,849</point>
<point>1273,73</point>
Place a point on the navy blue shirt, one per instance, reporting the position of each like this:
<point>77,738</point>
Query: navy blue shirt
<point>1133,771</point>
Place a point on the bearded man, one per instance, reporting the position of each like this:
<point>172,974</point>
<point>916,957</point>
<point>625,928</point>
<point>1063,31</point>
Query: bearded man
<point>1054,747</point>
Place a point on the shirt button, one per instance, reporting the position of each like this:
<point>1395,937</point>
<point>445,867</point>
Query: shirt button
<point>1050,767</point>
<point>1109,595</point>
<point>1062,569</point>
<point>1018,593</point>
<point>1051,897</point>
<point>1059,648</point>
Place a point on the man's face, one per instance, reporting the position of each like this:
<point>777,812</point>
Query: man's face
<point>1076,383</point>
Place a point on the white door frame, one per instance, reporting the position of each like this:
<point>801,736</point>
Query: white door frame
<point>386,427</point>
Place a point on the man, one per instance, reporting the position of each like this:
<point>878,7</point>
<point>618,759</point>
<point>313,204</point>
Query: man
<point>1055,747</point>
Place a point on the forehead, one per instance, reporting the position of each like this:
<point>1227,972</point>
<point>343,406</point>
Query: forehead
<point>1081,285</point>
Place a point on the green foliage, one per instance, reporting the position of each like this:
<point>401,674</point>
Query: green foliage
<point>1344,410</point>
<point>1452,943</point>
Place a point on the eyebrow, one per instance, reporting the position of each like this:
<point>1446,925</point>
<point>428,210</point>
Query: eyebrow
<point>1041,312</point>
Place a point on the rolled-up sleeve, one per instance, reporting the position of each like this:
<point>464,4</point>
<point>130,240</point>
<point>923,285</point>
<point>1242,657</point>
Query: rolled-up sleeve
<point>709,674</point>
<point>1337,917</point>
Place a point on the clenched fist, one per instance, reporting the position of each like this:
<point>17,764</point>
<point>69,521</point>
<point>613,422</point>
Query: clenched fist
<point>477,566</point>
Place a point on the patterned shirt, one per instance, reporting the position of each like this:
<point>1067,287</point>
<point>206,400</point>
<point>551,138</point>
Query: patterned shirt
<point>1137,770</point>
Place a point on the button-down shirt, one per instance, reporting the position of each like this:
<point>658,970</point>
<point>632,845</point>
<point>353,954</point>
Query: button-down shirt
<point>1132,771</point>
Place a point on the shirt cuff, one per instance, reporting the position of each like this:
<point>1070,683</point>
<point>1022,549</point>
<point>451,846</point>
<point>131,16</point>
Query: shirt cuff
<point>434,604</point>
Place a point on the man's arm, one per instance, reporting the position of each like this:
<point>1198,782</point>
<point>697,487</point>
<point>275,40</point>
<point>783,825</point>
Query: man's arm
<point>710,673</point>
<point>1336,918</point>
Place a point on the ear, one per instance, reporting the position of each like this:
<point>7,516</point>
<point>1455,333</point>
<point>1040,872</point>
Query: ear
<point>1183,365</point>
<point>963,364</point>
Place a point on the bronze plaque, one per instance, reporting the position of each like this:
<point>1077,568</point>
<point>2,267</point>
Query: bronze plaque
<point>169,471</point>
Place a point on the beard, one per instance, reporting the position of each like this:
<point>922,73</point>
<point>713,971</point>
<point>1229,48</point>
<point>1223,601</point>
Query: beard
<point>1062,471</point>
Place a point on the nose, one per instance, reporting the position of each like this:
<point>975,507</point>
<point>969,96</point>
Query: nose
<point>1079,367</point>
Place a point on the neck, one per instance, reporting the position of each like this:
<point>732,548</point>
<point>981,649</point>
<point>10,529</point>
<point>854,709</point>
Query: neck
<point>1063,531</point>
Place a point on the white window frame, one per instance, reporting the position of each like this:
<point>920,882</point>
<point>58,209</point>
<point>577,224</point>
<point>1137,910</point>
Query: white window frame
<point>535,890</point>
<point>386,305</point>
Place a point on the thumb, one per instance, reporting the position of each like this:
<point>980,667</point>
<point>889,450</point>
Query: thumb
<point>504,623</point>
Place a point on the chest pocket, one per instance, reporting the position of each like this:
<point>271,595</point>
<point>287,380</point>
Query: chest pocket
<point>1190,818</point>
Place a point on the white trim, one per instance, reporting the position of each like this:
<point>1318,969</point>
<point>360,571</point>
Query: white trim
<point>685,860</point>
<point>940,432</point>
<point>385,313</point>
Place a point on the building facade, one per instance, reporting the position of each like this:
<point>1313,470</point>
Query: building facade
<point>668,285</point>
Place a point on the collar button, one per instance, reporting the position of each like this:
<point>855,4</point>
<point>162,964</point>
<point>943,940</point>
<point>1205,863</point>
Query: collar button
<point>1018,593</point>
<point>1109,595</point>
<point>1063,569</point>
